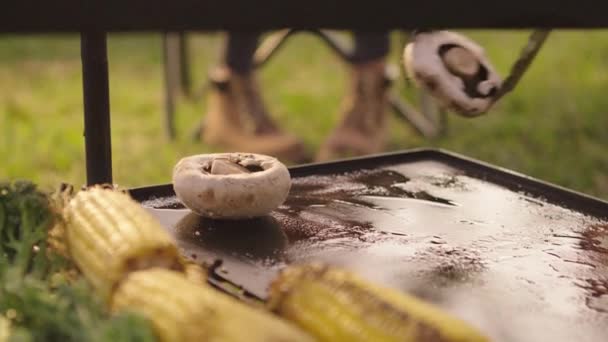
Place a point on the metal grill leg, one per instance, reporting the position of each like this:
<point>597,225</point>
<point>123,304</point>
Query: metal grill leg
<point>96,92</point>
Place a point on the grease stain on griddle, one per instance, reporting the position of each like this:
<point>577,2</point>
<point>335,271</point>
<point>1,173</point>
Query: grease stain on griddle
<point>448,266</point>
<point>599,303</point>
<point>595,238</point>
<point>450,181</point>
<point>303,215</point>
<point>351,188</point>
<point>598,294</point>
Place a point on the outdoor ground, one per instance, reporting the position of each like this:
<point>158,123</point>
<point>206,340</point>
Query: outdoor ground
<point>553,127</point>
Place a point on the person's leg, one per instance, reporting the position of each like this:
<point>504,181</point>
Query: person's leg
<point>370,46</point>
<point>237,118</point>
<point>238,58</point>
<point>239,50</point>
<point>362,126</point>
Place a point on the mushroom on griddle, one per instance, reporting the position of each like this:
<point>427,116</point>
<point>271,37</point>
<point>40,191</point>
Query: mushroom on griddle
<point>231,185</point>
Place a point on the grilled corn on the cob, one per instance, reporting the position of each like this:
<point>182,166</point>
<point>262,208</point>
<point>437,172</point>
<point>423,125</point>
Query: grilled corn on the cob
<point>5,329</point>
<point>108,235</point>
<point>182,310</point>
<point>335,305</point>
<point>194,272</point>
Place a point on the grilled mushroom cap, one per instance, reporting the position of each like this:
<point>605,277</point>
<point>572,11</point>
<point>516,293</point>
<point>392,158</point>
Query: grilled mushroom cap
<point>231,185</point>
<point>454,69</point>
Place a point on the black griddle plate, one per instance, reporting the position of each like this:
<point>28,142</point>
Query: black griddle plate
<point>521,259</point>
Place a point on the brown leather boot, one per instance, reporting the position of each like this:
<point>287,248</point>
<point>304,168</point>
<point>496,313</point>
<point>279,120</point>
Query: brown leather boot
<point>362,129</point>
<point>237,120</point>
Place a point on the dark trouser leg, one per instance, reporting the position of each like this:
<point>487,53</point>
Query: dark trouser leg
<point>239,51</point>
<point>370,46</point>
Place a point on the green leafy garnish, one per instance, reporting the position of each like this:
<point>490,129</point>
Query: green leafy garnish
<point>39,298</point>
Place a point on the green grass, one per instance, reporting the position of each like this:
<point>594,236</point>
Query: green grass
<point>553,127</point>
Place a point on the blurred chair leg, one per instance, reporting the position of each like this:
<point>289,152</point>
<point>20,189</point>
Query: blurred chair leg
<point>197,132</point>
<point>270,46</point>
<point>184,65</point>
<point>408,113</point>
<point>171,52</point>
<point>336,43</point>
<point>431,110</point>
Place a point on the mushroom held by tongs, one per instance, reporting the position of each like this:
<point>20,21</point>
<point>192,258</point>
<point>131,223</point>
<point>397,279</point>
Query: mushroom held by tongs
<point>231,185</point>
<point>455,70</point>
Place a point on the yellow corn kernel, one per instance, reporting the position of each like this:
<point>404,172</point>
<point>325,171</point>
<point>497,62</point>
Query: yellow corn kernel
<point>109,235</point>
<point>194,272</point>
<point>181,310</point>
<point>336,305</point>
<point>5,329</point>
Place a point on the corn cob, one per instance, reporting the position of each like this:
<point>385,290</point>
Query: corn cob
<point>181,310</point>
<point>5,329</point>
<point>194,272</point>
<point>108,235</point>
<point>335,305</point>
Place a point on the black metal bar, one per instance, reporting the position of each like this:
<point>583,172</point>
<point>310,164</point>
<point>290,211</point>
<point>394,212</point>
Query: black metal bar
<point>178,15</point>
<point>98,146</point>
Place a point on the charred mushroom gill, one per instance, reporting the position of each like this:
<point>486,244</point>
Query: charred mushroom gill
<point>454,69</point>
<point>231,185</point>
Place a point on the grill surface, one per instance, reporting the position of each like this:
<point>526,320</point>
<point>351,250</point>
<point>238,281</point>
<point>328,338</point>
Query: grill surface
<point>521,259</point>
